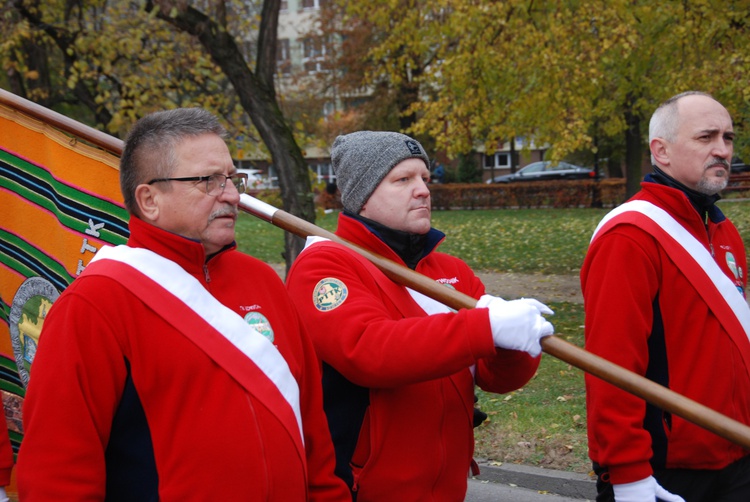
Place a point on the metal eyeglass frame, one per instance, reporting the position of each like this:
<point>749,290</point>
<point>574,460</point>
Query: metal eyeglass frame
<point>239,180</point>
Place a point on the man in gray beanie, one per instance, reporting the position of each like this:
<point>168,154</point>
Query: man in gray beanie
<point>362,159</point>
<point>399,368</point>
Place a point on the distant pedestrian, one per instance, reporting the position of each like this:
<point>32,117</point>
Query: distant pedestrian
<point>439,173</point>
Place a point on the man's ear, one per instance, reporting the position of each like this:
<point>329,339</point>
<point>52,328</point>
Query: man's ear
<point>660,151</point>
<point>147,200</point>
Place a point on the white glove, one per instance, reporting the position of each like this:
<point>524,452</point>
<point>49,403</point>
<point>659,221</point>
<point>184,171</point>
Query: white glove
<point>517,324</point>
<point>3,495</point>
<point>645,490</point>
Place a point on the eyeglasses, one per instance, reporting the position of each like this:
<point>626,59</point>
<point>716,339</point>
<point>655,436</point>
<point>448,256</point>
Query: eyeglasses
<point>215,183</point>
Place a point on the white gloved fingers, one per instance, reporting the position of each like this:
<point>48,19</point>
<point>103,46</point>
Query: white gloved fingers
<point>637,491</point>
<point>645,489</point>
<point>532,345</point>
<point>544,328</point>
<point>542,308</point>
<point>485,300</point>
<point>547,329</point>
<point>666,496</point>
<point>517,325</point>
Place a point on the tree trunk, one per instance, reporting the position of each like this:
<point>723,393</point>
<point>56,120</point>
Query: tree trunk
<point>633,153</point>
<point>408,94</point>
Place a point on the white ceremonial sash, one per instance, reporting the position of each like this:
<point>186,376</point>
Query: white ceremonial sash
<point>432,307</point>
<point>725,289</point>
<point>188,290</point>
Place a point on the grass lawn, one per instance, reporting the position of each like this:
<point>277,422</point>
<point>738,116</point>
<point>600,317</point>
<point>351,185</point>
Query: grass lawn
<point>545,241</point>
<point>544,423</point>
<point>539,241</point>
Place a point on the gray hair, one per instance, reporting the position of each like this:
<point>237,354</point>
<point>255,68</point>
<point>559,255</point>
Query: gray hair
<point>666,119</point>
<point>149,147</point>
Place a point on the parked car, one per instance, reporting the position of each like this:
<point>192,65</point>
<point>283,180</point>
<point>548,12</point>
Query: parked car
<point>255,179</point>
<point>545,170</point>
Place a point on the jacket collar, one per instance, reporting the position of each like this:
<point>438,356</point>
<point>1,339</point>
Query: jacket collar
<point>410,248</point>
<point>187,253</point>
<point>703,204</point>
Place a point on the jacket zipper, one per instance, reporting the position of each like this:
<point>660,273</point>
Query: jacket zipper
<point>708,234</point>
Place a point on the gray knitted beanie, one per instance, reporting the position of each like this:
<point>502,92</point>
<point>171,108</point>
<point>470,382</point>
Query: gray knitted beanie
<point>361,160</point>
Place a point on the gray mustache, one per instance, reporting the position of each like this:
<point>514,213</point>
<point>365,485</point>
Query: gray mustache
<point>230,211</point>
<point>718,160</point>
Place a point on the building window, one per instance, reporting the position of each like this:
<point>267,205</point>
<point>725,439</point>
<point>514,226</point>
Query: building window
<point>497,160</point>
<point>314,53</point>
<point>283,58</point>
<point>324,173</point>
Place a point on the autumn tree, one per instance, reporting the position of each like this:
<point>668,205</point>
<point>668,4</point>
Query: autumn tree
<point>375,89</point>
<point>575,75</point>
<point>108,64</point>
<point>115,61</point>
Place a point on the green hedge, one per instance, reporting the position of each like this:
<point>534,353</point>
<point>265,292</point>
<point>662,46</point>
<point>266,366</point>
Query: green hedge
<point>530,194</point>
<point>573,193</point>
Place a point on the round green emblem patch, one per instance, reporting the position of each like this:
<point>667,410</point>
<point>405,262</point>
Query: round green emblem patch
<point>329,293</point>
<point>260,323</point>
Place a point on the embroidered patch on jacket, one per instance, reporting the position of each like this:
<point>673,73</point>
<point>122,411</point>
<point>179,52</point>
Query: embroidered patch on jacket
<point>737,271</point>
<point>260,323</point>
<point>329,293</point>
<point>732,264</point>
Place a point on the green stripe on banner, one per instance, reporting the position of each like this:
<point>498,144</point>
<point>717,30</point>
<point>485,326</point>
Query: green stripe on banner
<point>9,380</point>
<point>73,207</point>
<point>11,385</point>
<point>15,442</point>
<point>29,261</point>
<point>4,311</point>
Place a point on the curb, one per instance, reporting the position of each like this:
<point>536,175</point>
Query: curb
<point>568,484</point>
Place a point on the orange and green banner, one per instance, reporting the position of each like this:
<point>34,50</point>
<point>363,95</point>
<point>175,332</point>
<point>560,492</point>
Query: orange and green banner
<point>60,202</point>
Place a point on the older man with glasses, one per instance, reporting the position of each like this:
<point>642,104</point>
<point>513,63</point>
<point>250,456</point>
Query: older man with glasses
<point>175,368</point>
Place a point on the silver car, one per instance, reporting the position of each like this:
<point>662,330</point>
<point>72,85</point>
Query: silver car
<point>546,170</point>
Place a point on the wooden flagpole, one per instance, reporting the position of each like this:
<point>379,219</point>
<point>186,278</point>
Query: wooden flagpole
<point>63,123</point>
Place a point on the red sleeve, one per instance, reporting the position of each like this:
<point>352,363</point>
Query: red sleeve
<point>620,281</point>
<point>368,340</point>
<point>507,370</point>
